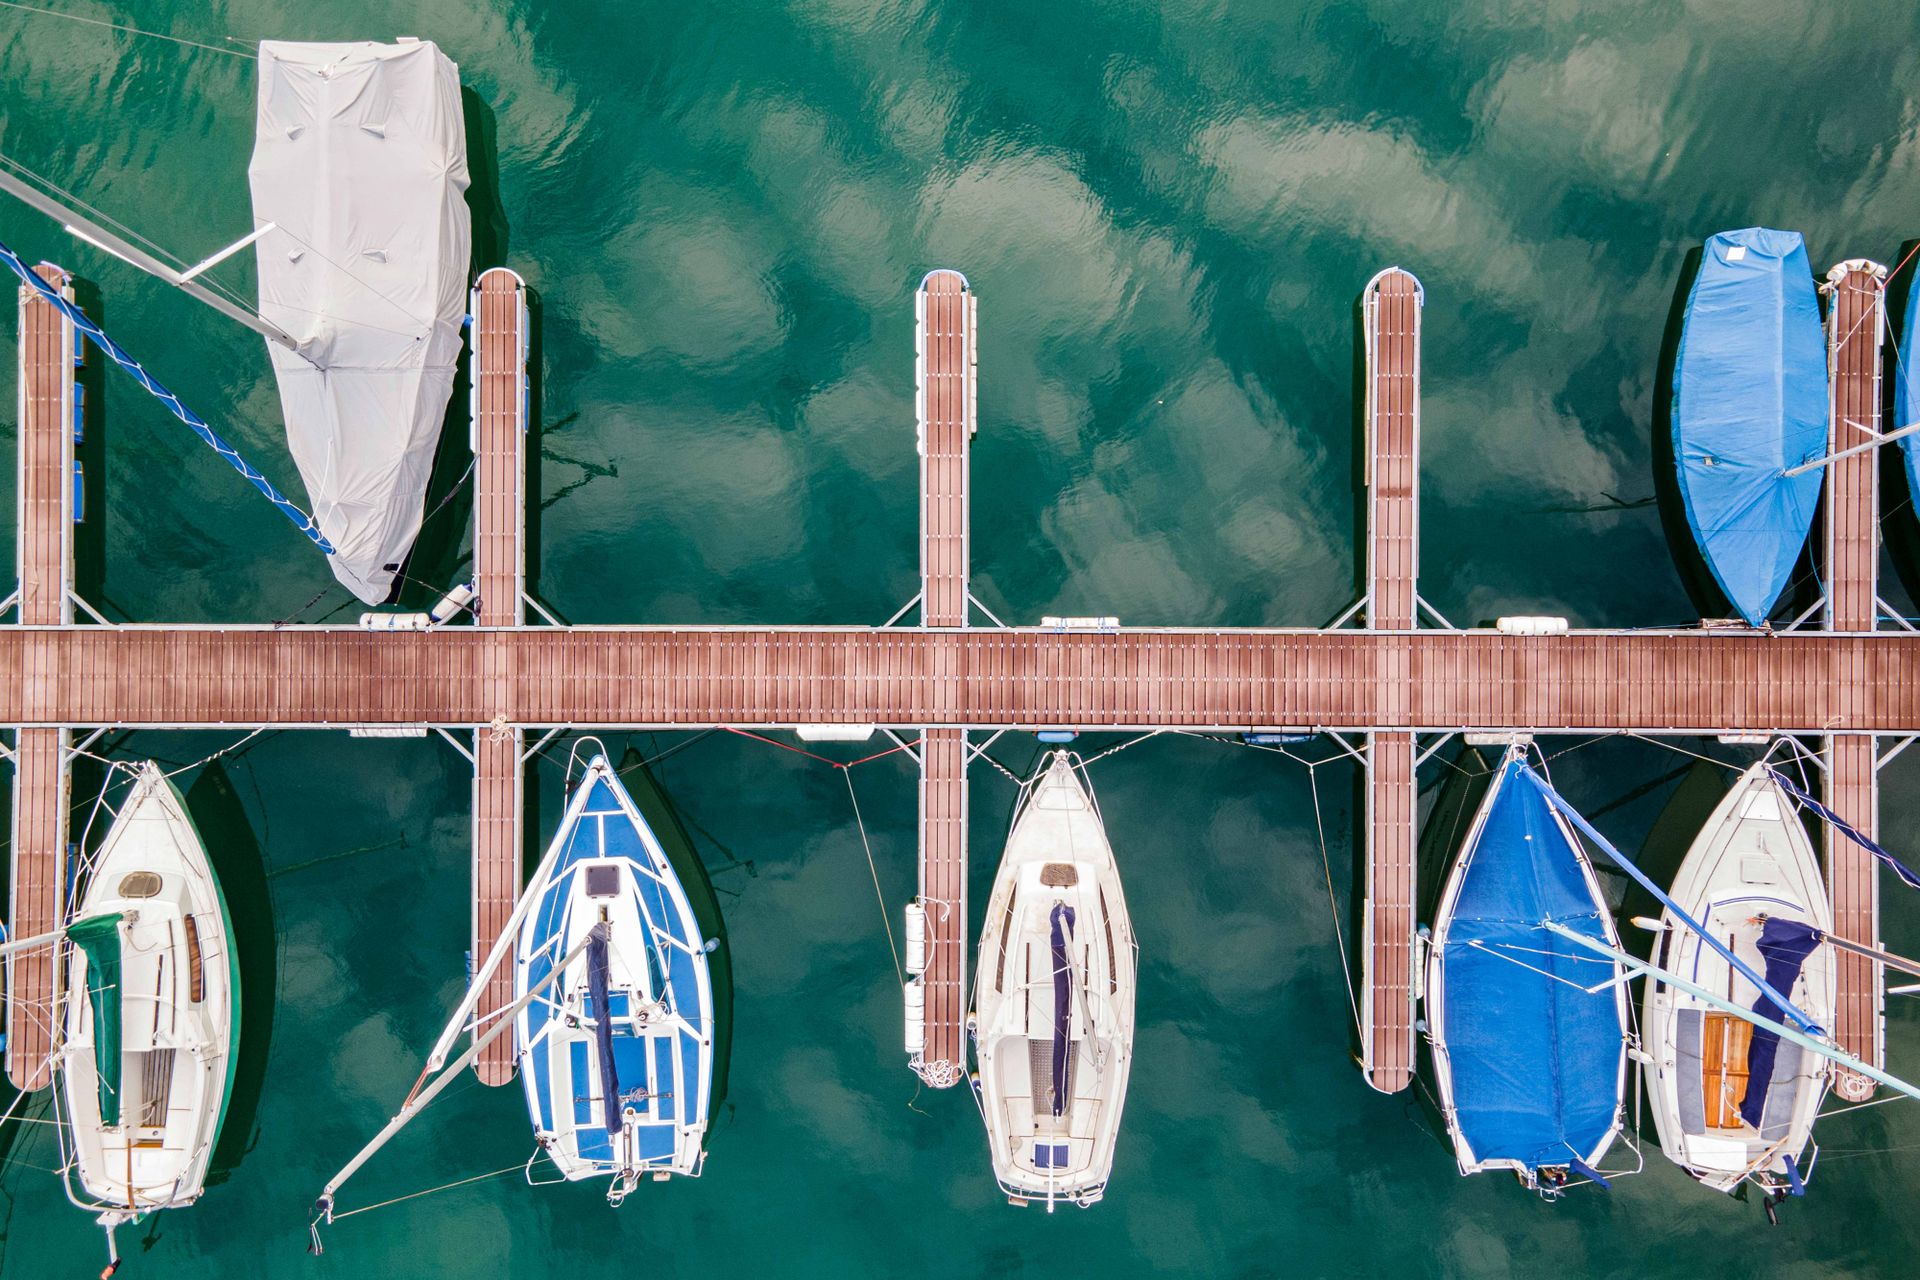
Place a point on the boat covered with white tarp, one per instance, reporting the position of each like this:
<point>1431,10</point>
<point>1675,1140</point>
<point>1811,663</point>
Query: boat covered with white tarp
<point>360,165</point>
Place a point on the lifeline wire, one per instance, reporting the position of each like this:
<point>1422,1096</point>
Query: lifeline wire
<point>301,520</point>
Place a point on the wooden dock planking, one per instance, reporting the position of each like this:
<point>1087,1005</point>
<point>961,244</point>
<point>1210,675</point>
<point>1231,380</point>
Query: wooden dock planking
<point>499,433</point>
<point>1856,328</point>
<point>1390,316</point>
<point>945,400</point>
<point>943,893</point>
<point>45,565</point>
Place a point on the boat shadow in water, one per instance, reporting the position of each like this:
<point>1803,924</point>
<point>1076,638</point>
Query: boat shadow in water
<point>1688,560</point>
<point>436,561</point>
<point>234,851</point>
<point>659,811</point>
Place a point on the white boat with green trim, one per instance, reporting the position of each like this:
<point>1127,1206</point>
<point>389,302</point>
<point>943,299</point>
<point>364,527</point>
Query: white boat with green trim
<point>149,1014</point>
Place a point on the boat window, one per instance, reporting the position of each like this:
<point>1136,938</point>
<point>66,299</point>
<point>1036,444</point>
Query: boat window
<point>1006,930</point>
<point>1113,961</point>
<point>139,884</point>
<point>196,971</point>
<point>603,880</point>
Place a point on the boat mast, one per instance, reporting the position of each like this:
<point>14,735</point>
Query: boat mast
<point>1635,967</point>
<point>417,1102</point>
<point>98,236</point>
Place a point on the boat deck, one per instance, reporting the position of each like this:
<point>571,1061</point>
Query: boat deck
<point>1856,328</point>
<point>45,553</point>
<point>501,678</point>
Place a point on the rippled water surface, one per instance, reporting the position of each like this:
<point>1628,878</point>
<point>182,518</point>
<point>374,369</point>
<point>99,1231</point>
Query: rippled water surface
<point>1167,210</point>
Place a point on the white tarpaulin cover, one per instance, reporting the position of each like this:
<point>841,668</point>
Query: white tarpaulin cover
<point>360,161</point>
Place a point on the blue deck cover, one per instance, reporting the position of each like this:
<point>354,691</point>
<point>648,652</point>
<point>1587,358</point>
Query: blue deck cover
<point>1536,1061</point>
<point>1906,389</point>
<point>1750,401</point>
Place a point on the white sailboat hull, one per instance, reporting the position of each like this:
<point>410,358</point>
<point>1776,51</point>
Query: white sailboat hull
<point>1048,1146</point>
<point>178,989</point>
<point>1753,858</point>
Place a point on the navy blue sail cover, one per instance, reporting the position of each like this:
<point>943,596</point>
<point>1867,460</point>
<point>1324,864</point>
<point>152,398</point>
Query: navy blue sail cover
<point>597,981</point>
<point>1536,1060</point>
<point>1785,945</point>
<point>1749,402</point>
<point>1062,921</point>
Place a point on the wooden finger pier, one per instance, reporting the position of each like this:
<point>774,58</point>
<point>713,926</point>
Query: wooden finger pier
<point>1396,685</point>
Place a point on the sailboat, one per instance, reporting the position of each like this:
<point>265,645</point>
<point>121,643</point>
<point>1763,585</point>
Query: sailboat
<point>149,1017</point>
<point>362,239</point>
<point>1749,410</point>
<point>360,167</point>
<point>612,1017</point>
<point>1053,1005</point>
<point>1906,390</point>
<point>1731,1103</point>
<point>618,1060</point>
<point>1529,1032</point>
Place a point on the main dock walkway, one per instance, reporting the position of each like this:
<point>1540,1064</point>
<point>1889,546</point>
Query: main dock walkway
<point>1389,680</point>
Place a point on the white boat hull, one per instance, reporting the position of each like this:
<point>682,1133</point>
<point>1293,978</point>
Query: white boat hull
<point>1753,858</point>
<point>179,986</point>
<point>1055,1145</point>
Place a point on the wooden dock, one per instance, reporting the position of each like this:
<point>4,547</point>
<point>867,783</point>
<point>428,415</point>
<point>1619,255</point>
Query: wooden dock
<point>44,599</point>
<point>499,433</point>
<point>1390,330</point>
<point>1389,680</point>
<point>944,371</point>
<point>1856,329</point>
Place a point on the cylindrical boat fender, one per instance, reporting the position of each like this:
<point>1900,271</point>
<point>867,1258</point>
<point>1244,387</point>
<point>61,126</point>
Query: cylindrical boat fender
<point>916,938</point>
<point>916,1001</point>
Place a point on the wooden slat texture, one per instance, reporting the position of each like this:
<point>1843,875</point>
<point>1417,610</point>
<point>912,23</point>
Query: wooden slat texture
<point>1387,1009</point>
<point>946,404</point>
<point>1856,324</point>
<point>943,892</point>
<point>499,447</point>
<point>45,551</point>
<point>39,842</point>
<point>1798,682</point>
<point>499,562</point>
<point>1853,879</point>
<point>498,778</point>
<point>1391,313</point>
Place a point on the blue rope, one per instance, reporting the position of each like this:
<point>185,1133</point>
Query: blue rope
<point>301,520</point>
<point>1845,828</point>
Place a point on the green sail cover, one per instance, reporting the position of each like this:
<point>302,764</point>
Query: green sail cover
<point>99,937</point>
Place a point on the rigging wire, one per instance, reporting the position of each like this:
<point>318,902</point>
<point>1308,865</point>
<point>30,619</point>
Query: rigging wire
<point>119,26</point>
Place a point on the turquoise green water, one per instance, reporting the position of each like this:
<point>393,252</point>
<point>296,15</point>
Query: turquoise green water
<point>1167,210</point>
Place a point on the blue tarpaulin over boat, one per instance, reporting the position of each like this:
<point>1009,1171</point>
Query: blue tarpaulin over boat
<point>1785,945</point>
<point>1750,401</point>
<point>1906,390</point>
<point>1536,1061</point>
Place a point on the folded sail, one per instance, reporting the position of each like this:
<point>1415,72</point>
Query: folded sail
<point>1749,402</point>
<point>360,162</point>
<point>99,938</point>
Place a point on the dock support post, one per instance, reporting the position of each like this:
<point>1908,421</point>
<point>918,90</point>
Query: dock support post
<point>1390,328</point>
<point>944,367</point>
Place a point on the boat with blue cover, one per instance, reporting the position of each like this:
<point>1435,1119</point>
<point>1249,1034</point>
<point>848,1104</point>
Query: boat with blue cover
<point>1749,404</point>
<point>615,1045</point>
<point>1906,390</point>
<point>1528,1029</point>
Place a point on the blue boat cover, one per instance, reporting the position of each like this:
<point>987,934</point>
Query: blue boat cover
<point>1906,389</point>
<point>1750,401</point>
<point>1536,1060</point>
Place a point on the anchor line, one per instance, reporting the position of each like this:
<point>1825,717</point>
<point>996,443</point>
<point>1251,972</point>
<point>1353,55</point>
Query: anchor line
<point>119,355</point>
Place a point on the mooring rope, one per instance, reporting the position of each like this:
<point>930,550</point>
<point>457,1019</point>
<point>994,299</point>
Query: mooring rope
<point>886,921</point>
<point>118,26</point>
<point>415,1195</point>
